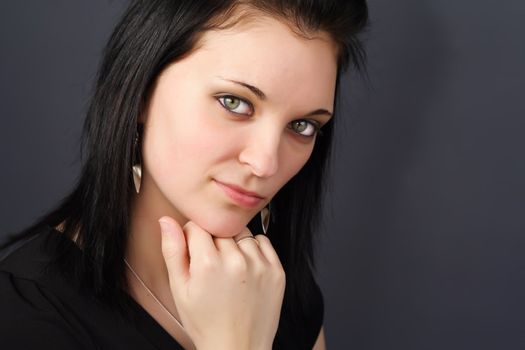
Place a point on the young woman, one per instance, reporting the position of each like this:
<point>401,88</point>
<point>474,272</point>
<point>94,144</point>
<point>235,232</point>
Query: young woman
<point>210,122</point>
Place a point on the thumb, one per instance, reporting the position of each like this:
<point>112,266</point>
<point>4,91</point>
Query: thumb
<point>174,250</point>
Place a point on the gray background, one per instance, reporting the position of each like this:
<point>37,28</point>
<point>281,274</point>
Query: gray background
<point>424,236</point>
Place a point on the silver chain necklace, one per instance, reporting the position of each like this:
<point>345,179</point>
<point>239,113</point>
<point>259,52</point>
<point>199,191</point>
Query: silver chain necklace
<point>151,293</point>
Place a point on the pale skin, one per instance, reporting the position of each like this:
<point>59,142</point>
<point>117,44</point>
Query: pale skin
<point>202,126</point>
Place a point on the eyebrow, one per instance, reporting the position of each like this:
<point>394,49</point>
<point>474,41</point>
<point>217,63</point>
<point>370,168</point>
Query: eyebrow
<point>261,95</point>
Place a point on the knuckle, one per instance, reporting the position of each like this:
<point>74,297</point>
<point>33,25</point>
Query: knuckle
<point>236,264</point>
<point>208,262</point>
<point>260,269</point>
<point>280,276</point>
<point>167,249</point>
<point>262,238</point>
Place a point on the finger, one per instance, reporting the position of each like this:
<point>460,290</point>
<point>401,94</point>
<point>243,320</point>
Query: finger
<point>200,242</point>
<point>244,232</point>
<point>266,248</point>
<point>249,247</point>
<point>225,246</point>
<point>228,247</point>
<point>174,250</point>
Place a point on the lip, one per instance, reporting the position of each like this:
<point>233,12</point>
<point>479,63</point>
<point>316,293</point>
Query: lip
<point>241,196</point>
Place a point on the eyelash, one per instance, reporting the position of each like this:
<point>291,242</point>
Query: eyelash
<point>314,124</point>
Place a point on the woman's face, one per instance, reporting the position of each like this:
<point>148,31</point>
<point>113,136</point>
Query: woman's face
<point>242,109</point>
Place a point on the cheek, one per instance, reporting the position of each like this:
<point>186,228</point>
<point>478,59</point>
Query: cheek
<point>202,142</point>
<point>186,142</point>
<point>293,160</point>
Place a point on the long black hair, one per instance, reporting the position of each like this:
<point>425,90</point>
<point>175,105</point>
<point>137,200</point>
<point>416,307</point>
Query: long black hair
<point>151,35</point>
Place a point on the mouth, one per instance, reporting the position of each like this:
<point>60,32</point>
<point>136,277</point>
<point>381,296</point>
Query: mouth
<point>239,195</point>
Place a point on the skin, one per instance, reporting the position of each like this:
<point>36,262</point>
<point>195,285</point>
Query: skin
<point>193,138</point>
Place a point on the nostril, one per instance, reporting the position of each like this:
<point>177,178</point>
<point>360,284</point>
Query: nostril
<point>261,165</point>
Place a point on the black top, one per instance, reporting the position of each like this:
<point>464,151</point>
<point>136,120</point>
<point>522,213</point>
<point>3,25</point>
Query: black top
<point>39,309</point>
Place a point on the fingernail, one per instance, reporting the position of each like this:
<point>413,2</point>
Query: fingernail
<point>164,226</point>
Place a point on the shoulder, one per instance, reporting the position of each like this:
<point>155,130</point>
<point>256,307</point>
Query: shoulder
<point>31,314</point>
<point>30,257</point>
<point>35,300</point>
<point>27,320</point>
<point>41,306</point>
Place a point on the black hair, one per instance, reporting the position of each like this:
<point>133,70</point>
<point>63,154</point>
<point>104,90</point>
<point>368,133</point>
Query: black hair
<point>151,35</point>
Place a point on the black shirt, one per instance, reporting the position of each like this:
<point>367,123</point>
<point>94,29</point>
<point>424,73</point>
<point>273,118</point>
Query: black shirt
<point>40,309</point>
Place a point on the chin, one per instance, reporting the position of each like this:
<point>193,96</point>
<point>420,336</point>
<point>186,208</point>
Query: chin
<point>226,227</point>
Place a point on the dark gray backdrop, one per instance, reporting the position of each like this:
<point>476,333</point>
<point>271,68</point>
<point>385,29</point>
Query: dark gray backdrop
<point>424,236</point>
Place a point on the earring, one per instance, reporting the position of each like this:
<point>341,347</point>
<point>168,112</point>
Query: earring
<point>137,164</point>
<point>265,218</point>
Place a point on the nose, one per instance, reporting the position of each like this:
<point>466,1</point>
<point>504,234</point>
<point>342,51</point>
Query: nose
<point>261,153</point>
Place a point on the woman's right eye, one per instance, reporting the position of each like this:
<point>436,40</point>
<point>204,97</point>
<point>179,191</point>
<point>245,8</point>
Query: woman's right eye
<point>235,105</point>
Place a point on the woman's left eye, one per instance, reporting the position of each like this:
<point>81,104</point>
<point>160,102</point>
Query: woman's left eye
<point>235,104</point>
<point>305,127</point>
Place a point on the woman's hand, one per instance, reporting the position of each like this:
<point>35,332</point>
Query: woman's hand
<point>228,295</point>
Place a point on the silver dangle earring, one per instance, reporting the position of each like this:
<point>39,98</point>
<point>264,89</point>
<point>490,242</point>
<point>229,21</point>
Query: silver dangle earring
<point>137,163</point>
<point>265,218</point>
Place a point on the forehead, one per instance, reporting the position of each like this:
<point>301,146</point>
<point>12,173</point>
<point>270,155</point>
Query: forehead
<point>267,53</point>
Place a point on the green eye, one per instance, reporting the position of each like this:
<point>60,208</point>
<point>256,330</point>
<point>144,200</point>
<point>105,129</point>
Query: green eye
<point>300,125</point>
<point>235,105</point>
<point>231,103</point>
<point>305,127</point>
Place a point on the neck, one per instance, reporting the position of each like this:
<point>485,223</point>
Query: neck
<point>143,251</point>
<point>144,255</point>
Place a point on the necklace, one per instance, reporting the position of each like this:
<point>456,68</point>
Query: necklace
<point>151,293</point>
